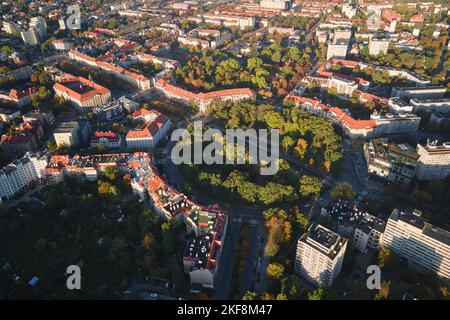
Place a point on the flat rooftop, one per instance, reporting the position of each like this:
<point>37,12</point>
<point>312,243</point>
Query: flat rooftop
<point>414,218</point>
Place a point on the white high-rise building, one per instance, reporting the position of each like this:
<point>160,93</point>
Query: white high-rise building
<point>11,27</point>
<point>434,161</point>
<point>275,4</point>
<point>421,243</point>
<point>320,253</point>
<point>349,10</point>
<point>378,45</point>
<point>16,175</point>
<point>39,24</point>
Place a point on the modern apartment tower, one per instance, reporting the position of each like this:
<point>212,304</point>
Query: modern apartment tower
<point>413,238</point>
<point>320,253</point>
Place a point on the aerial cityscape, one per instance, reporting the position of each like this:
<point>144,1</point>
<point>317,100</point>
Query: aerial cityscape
<point>225,150</point>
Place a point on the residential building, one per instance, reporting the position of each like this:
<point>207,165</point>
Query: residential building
<point>19,97</point>
<point>45,118</point>
<point>30,37</point>
<point>378,45</point>
<point>349,10</point>
<point>433,105</point>
<point>202,99</point>
<point>207,224</point>
<point>66,134</point>
<point>18,174</point>
<point>378,125</point>
<point>83,167</point>
<point>84,94</point>
<point>226,20</point>
<point>368,233</point>
<point>136,79</point>
<point>108,140</point>
<point>11,27</point>
<point>428,92</point>
<point>202,254</point>
<point>319,256</point>
<point>350,222</point>
<point>156,127</point>
<point>421,243</point>
<point>25,138</point>
<point>342,85</point>
<point>62,45</point>
<point>391,161</point>
<point>7,115</point>
<point>434,161</point>
<point>275,4</point>
<point>337,50</point>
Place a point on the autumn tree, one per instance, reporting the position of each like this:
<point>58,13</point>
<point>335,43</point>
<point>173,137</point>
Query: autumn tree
<point>275,270</point>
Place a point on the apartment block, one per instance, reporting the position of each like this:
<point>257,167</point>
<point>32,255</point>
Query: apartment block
<point>378,46</point>
<point>18,174</point>
<point>391,161</point>
<point>434,161</point>
<point>353,223</point>
<point>66,134</point>
<point>421,243</point>
<point>319,256</point>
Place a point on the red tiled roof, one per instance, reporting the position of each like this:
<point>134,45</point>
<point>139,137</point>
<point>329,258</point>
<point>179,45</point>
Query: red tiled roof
<point>95,88</point>
<point>205,97</point>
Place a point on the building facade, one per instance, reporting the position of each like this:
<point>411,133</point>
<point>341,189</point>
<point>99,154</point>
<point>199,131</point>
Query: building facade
<point>319,256</point>
<point>393,162</point>
<point>434,161</point>
<point>413,238</point>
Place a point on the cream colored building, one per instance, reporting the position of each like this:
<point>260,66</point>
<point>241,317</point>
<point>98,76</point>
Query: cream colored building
<point>421,243</point>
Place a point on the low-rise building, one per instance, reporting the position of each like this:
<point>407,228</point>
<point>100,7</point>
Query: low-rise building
<point>84,94</point>
<point>108,140</point>
<point>156,127</point>
<point>202,99</point>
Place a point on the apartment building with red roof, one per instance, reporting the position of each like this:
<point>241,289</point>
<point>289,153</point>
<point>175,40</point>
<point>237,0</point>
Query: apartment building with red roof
<point>105,139</point>
<point>19,97</point>
<point>208,224</point>
<point>377,126</point>
<point>138,80</point>
<point>84,94</point>
<point>202,99</point>
<point>156,127</point>
<point>390,14</point>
